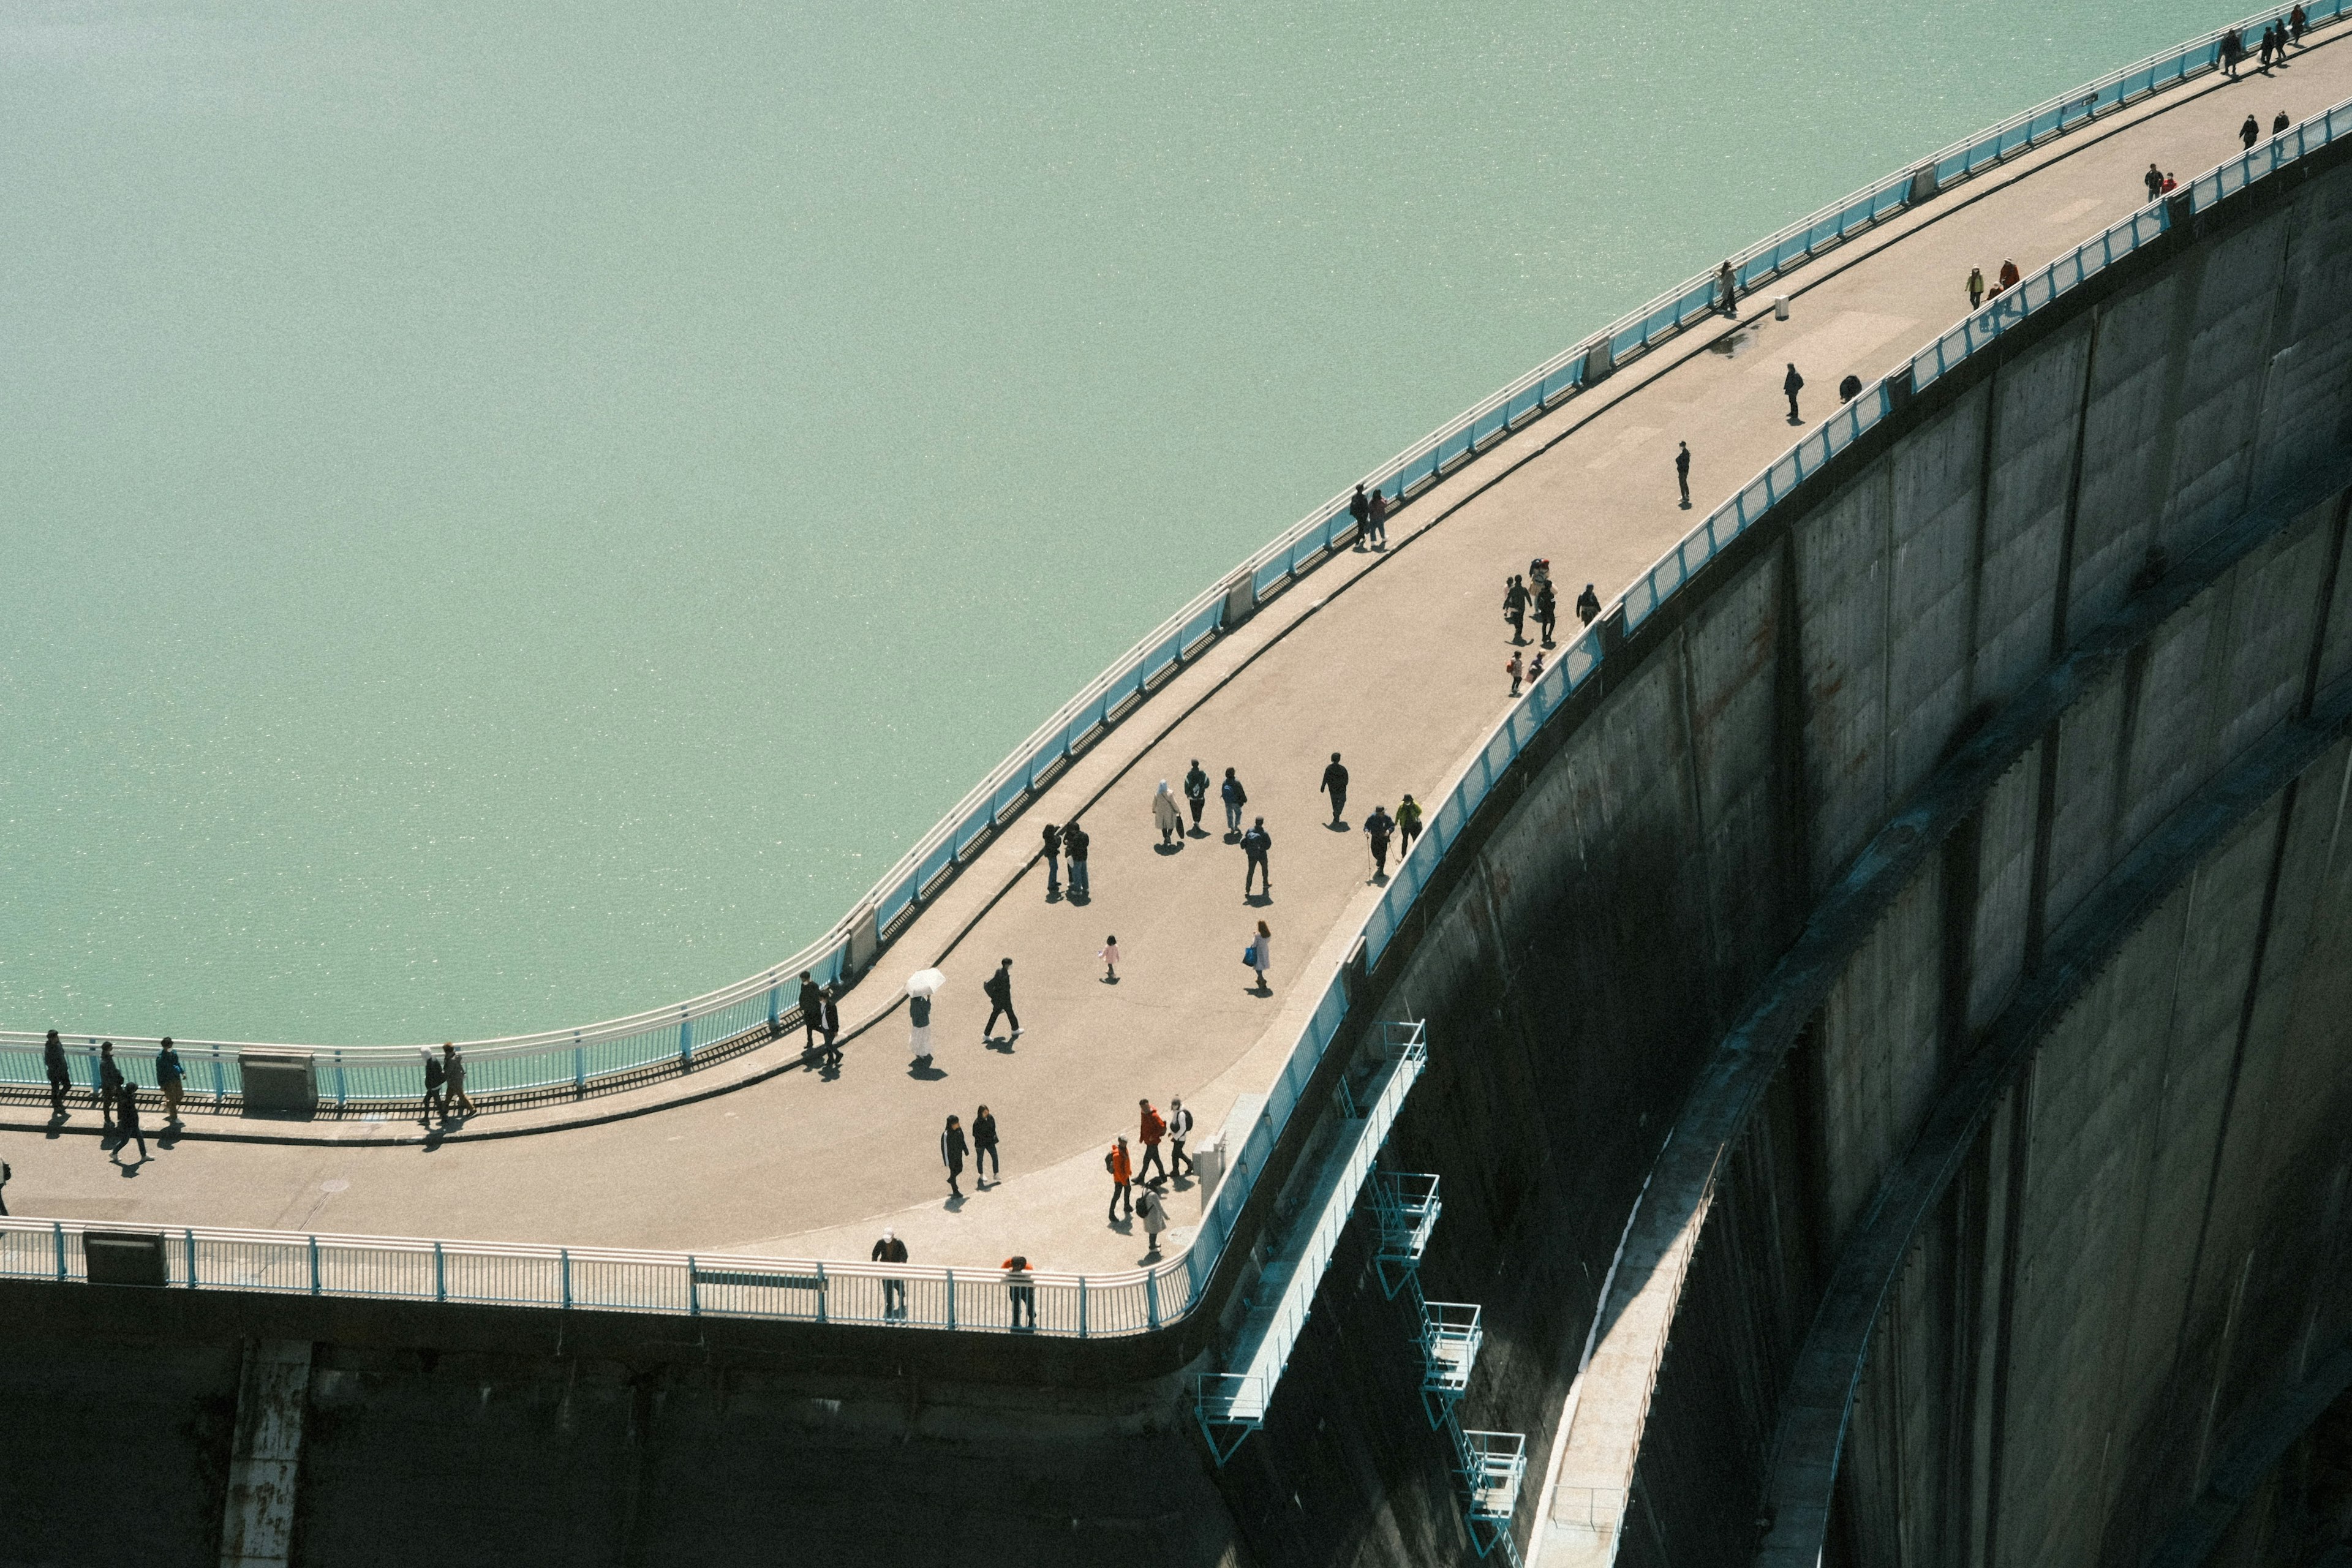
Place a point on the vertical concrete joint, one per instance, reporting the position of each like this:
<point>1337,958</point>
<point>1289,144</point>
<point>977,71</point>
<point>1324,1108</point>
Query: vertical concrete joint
<point>273,1392</point>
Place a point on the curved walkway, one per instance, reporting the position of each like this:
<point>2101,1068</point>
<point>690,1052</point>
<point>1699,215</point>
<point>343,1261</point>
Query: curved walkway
<point>1394,659</point>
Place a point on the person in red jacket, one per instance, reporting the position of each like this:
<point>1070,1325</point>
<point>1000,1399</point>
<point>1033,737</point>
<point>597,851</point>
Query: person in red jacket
<point>1116,1162</point>
<point>1153,1131</point>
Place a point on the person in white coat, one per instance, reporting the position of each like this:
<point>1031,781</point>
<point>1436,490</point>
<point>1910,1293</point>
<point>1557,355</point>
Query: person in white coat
<point>1260,956</point>
<point>1154,1214</point>
<point>1166,814</point>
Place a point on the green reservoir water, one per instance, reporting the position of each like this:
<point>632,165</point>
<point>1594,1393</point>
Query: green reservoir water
<point>512,514</point>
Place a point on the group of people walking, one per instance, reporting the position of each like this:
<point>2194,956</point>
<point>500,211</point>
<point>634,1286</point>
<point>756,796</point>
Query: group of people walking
<point>1135,1191</point>
<point>2006,279</point>
<point>116,1096</point>
<point>1533,589</point>
<point>2276,38</point>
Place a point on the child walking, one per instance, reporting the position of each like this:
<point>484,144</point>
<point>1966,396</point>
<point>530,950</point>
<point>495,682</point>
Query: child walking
<point>1109,956</point>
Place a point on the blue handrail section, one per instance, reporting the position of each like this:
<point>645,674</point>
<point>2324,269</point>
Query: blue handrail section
<point>574,1057</point>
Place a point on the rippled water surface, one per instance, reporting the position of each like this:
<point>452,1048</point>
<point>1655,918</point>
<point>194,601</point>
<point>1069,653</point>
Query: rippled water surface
<point>513,514</point>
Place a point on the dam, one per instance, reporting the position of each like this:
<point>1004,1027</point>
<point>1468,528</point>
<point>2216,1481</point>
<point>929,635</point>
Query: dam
<point>1852,1068</point>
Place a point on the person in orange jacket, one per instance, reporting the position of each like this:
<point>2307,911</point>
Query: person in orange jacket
<point>1152,1129</point>
<point>1122,1174</point>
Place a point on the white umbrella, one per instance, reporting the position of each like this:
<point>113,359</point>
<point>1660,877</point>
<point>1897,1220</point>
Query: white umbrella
<point>925,983</point>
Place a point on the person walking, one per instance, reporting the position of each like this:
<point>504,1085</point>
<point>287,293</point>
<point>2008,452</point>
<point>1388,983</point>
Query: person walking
<point>1793,383</point>
<point>2249,132</point>
<point>811,1009</point>
<point>1335,784</point>
<point>1235,798</point>
<point>1515,607</point>
<point>1976,277</point>
<point>2281,125</point>
<point>1196,791</point>
<point>2154,181</point>
<point>53,1063</point>
<point>1535,668</point>
<point>2296,25</point>
<point>919,1030</point>
<point>169,1078</point>
<point>1116,1162</point>
<point>453,1069</point>
<point>1053,861</point>
<point>109,1085</point>
<point>1151,1128</point>
<point>1849,389</point>
<point>2232,51</point>
<point>1682,471</point>
<point>1547,610</point>
<point>1075,844</point>
<point>952,1150</point>
<point>1179,1127</point>
<point>1154,1214</point>
<point>1587,605</point>
<point>1727,289</point>
<point>1255,843</point>
<point>983,1147</point>
<point>831,1056</point>
<point>126,1120</point>
<point>2262,51</point>
<point>1109,954</point>
<point>1378,828</point>
<point>1166,816</point>
<point>1408,821</point>
<point>1260,952</point>
<point>1359,507</point>
<point>1379,519</point>
<point>891,1249</point>
<point>1514,671</point>
<point>1019,1291</point>
<point>435,1103</point>
<point>997,989</point>
<point>2009,273</point>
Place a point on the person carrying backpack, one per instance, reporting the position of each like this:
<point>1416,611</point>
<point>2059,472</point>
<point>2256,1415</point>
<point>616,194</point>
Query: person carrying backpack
<point>1179,1127</point>
<point>1122,1172</point>
<point>1235,798</point>
<point>53,1062</point>
<point>169,1078</point>
<point>997,989</point>
<point>1196,792</point>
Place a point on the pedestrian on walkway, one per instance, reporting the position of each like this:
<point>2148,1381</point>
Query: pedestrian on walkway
<point>1075,844</point>
<point>1514,670</point>
<point>1359,507</point>
<point>436,1102</point>
<point>1335,784</point>
<point>1538,574</point>
<point>1849,389</point>
<point>1053,861</point>
<point>1261,957</point>
<point>2249,132</point>
<point>1255,843</point>
<point>1407,818</point>
<point>2170,184</point>
<point>452,1068</point>
<point>1179,1127</point>
<point>891,1249</point>
<point>2281,125</point>
<point>1196,792</point>
<point>983,1147</point>
<point>2009,274</point>
<point>109,1085</point>
<point>2296,22</point>
<point>1379,520</point>
<point>1122,1172</point>
<point>1793,383</point>
<point>1547,610</point>
<point>126,1120</point>
<point>811,1009</point>
<point>1728,291</point>
<point>1154,1214</point>
<point>1515,607</point>
<point>2154,181</point>
<point>997,989</point>
<point>1682,471</point>
<point>1018,1288</point>
<point>1536,669</point>
<point>952,1150</point>
<point>1378,827</point>
<point>919,1030</point>
<point>1235,798</point>
<point>1587,605</point>
<point>831,1056</point>
<point>2232,51</point>
<point>1975,274</point>
<point>1166,816</point>
<point>2263,51</point>
<point>1109,954</point>
<point>53,1062</point>
<point>1152,1128</point>
<point>169,1077</point>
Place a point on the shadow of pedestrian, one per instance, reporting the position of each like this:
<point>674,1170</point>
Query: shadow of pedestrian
<point>1337,826</point>
<point>1257,900</point>
<point>926,1072</point>
<point>1124,1226</point>
<point>1175,849</point>
<point>954,1204</point>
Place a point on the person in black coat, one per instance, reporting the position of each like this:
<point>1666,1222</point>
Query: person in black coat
<point>1335,784</point>
<point>1196,792</point>
<point>126,1120</point>
<point>1587,605</point>
<point>1255,844</point>
<point>811,1009</point>
<point>997,989</point>
<point>952,1150</point>
<point>983,1147</point>
<point>1793,383</point>
<point>1074,843</point>
<point>891,1249</point>
<point>109,1085</point>
<point>53,1062</point>
<point>1359,507</point>
<point>1053,859</point>
<point>1235,798</point>
<point>1546,609</point>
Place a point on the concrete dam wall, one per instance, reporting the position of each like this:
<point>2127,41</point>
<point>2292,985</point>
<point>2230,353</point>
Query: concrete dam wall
<point>1888,1080</point>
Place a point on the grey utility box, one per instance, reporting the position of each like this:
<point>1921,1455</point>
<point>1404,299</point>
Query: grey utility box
<point>278,1083</point>
<point>123,1258</point>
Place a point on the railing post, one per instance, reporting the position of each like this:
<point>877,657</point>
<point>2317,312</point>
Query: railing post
<point>820,1292</point>
<point>952,1298</point>
<point>1082,1306</point>
<point>440,1273</point>
<point>775,990</point>
<point>314,1262</point>
<point>685,1038</point>
<point>578,1066</point>
<point>693,1289</point>
<point>341,1094</point>
<point>190,1234</point>
<point>59,1232</point>
<point>1151,1296</point>
<point>564,1255</point>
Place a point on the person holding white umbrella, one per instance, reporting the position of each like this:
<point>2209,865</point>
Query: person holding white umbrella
<point>921,986</point>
